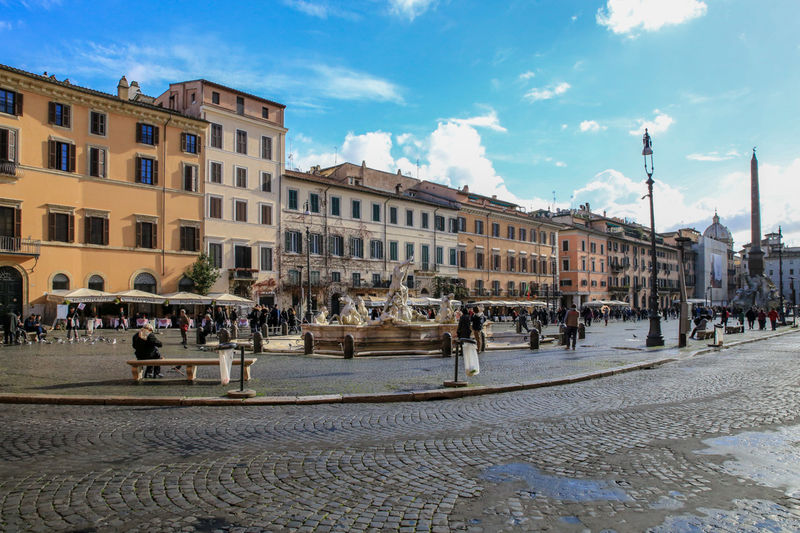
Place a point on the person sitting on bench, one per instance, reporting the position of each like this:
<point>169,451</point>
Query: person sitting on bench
<point>146,344</point>
<point>699,325</point>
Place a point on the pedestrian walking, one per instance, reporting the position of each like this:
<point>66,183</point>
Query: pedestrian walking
<point>72,323</point>
<point>773,318</point>
<point>751,317</point>
<point>146,345</point>
<point>762,319</point>
<point>571,321</point>
<point>477,328</point>
<point>183,324</point>
<point>10,321</point>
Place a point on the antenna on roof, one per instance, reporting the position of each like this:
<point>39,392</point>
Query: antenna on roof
<point>335,155</point>
<point>291,156</point>
<point>554,200</point>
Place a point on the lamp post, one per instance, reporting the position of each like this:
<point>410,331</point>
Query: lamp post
<point>307,213</point>
<point>794,300</point>
<point>780,275</point>
<point>683,325</point>
<point>654,336</point>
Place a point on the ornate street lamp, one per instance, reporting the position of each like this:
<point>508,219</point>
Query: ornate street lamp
<point>307,213</point>
<point>654,336</point>
<point>683,326</point>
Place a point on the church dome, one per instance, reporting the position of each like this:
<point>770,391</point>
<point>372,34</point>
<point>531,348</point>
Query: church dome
<point>718,231</point>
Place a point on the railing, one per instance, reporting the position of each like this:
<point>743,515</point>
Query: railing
<point>9,168</point>
<point>243,273</point>
<point>19,246</point>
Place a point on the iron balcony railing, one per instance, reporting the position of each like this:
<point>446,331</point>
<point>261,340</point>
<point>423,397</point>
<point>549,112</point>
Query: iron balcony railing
<point>8,168</point>
<point>20,246</point>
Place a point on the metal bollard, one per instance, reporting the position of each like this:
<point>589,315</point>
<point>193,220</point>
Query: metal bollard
<point>308,343</point>
<point>562,335</point>
<point>581,331</point>
<point>534,339</point>
<point>258,342</point>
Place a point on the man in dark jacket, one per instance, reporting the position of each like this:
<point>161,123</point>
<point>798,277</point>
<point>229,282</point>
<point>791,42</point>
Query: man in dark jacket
<point>145,345</point>
<point>464,329</point>
<point>477,328</point>
<point>10,325</point>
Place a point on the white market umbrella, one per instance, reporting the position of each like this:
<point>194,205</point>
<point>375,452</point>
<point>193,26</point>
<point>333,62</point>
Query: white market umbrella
<point>135,296</point>
<point>80,296</point>
<point>223,298</point>
<point>187,298</point>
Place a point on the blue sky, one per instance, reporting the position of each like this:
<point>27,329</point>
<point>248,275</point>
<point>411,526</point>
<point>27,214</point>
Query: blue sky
<point>524,99</point>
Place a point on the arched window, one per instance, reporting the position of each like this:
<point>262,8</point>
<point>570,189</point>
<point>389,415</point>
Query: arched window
<point>185,285</point>
<point>60,282</point>
<point>97,283</point>
<point>145,282</point>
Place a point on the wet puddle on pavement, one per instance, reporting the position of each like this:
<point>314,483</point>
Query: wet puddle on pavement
<point>770,458</point>
<point>559,488</point>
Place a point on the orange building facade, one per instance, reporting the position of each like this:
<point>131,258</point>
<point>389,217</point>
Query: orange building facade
<point>96,190</point>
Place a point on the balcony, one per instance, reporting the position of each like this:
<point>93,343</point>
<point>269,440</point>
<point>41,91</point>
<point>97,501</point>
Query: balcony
<point>616,267</point>
<point>243,273</point>
<point>19,246</point>
<point>619,288</point>
<point>8,168</point>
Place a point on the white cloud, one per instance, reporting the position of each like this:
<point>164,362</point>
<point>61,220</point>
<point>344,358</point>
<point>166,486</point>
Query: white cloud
<point>714,156</point>
<point>5,25</point>
<point>563,127</point>
<point>409,9</point>
<point>488,120</point>
<point>348,84</point>
<point>527,75</point>
<point>548,92</point>
<point>591,126</point>
<point>628,16</point>
<point>659,124</point>
<point>560,164</point>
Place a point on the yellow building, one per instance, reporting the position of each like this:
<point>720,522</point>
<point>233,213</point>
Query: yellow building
<point>96,190</point>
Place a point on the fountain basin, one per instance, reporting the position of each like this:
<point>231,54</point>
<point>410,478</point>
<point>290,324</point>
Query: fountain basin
<point>385,339</point>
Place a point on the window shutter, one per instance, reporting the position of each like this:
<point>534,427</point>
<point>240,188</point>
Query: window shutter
<point>194,178</point>
<point>51,112</point>
<point>71,228</point>
<point>155,235</point>
<point>155,134</point>
<point>182,243</point>
<point>18,105</point>
<point>105,231</point>
<point>66,115</point>
<point>51,219</point>
<point>138,169</point>
<point>196,239</point>
<point>87,230</point>
<point>18,223</point>
<point>155,171</point>
<point>183,142</point>
<point>11,146</point>
<point>288,241</point>
<point>51,158</point>
<point>138,234</point>
<point>199,143</point>
<point>71,151</point>
<point>138,132</point>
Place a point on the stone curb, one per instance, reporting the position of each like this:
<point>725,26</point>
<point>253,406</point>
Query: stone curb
<point>383,397</point>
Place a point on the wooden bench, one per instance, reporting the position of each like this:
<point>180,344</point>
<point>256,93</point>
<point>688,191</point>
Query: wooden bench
<point>705,334</point>
<point>734,329</point>
<point>138,365</point>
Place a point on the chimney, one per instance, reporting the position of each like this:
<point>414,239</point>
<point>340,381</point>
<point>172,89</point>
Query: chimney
<point>494,197</point>
<point>398,187</point>
<point>123,88</point>
<point>466,189</point>
<point>588,210</point>
<point>398,172</point>
<point>134,90</point>
<point>363,168</point>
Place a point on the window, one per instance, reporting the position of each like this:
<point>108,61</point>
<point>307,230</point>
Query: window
<point>376,212</point>
<point>601,249</point>
<point>60,114</point>
<point>242,256</point>
<point>336,245</point>
<point>356,279</point>
<point>565,265</point>
<point>96,230</point>
<point>495,262</point>
<point>479,227</point>
<point>215,254</point>
<point>534,266</point>
<point>190,238</point>
<point>10,102</point>
<point>315,243</point>
<point>439,255</point>
<point>146,171</point>
<point>495,229</point>
<point>294,277</point>
<point>511,232</point>
<point>215,172</point>
<point>8,145</point>
<point>216,135</point>
<point>61,156</point>
<point>293,199</point>
<point>60,282</point>
<point>97,123</point>
<point>393,250</point>
<point>523,264</point>
<point>240,210</point>
<point>409,250</point>
<point>214,207</point>
<point>241,177</point>
<point>266,182</point>
<point>453,257</point>
<point>512,263</point>
<point>376,280</point>
<point>543,237</point>
<point>478,259</point>
<point>214,97</point>
<point>438,223</point>
<point>375,249</point>
<point>426,256</point>
<point>146,134</point>
<point>336,277</point>
<point>544,266</point>
<point>266,214</point>
<point>190,177</point>
<point>533,235</point>
<point>523,234</point>
<point>266,147</point>
<point>424,220</point>
<point>452,225</point>
<point>146,234</point>
<point>315,277</point>
<point>265,112</point>
<point>336,206</point>
<point>294,242</point>
<point>266,258</point>
<point>97,162</point>
<point>190,143</point>
<point>241,142</point>
<point>392,215</point>
<point>565,245</point>
<point>552,238</point>
<point>593,247</point>
<point>355,208</point>
<point>409,217</point>
<point>357,247</point>
<point>194,98</point>
<point>239,105</point>
<point>583,246</point>
<point>495,288</point>
<point>96,283</point>
<point>462,259</point>
<point>313,202</point>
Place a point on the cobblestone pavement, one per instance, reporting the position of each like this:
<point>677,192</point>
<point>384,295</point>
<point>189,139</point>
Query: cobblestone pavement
<point>100,369</point>
<point>708,443</point>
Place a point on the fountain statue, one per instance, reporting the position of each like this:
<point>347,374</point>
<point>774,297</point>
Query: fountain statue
<point>349,314</point>
<point>322,316</point>
<point>446,314</point>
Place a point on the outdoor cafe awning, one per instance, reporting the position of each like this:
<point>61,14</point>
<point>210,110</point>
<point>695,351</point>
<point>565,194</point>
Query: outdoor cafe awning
<point>223,298</point>
<point>504,303</point>
<point>80,296</point>
<point>135,296</point>
<point>187,298</point>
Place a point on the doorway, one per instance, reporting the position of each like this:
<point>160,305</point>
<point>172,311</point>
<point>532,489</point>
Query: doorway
<point>10,290</point>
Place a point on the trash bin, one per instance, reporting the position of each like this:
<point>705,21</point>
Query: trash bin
<point>225,352</point>
<point>719,334</point>
<point>470,350</point>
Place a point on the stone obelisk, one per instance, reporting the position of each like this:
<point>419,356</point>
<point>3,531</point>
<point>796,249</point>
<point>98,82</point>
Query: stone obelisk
<point>755,259</point>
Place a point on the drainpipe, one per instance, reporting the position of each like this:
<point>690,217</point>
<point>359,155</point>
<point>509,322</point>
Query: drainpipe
<point>164,203</point>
